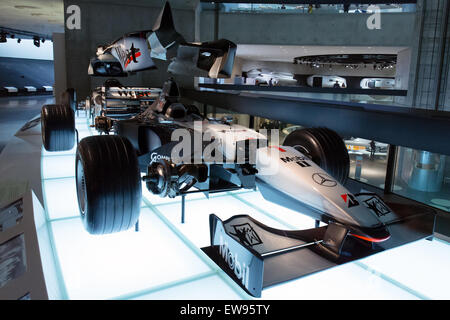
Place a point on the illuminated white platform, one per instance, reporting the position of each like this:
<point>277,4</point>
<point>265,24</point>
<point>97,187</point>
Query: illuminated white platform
<point>164,261</point>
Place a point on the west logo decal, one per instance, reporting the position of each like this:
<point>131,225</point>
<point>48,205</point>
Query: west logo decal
<point>350,200</point>
<point>377,206</point>
<point>246,234</point>
<point>132,54</point>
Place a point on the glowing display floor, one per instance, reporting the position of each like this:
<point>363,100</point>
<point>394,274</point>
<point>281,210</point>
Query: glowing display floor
<point>164,261</point>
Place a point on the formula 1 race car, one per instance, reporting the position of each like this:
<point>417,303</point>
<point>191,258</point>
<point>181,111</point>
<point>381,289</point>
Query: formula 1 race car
<point>176,151</point>
<point>307,174</point>
<point>312,165</point>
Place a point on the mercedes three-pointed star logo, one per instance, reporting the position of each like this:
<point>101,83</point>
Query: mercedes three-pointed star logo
<point>324,180</point>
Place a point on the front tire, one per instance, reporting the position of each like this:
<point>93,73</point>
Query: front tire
<point>325,148</point>
<point>108,184</point>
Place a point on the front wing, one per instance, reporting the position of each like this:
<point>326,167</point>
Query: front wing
<point>256,256</point>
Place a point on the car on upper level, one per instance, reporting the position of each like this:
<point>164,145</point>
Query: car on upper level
<point>324,81</point>
<point>377,83</point>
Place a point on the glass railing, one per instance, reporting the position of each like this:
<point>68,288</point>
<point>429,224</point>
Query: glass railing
<point>373,96</point>
<point>336,97</point>
<point>423,176</point>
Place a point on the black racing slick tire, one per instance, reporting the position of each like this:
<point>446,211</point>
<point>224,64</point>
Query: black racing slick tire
<point>108,184</point>
<point>325,148</point>
<point>57,127</point>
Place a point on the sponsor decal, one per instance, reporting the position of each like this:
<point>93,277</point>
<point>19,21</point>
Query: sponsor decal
<point>294,159</point>
<point>120,53</point>
<point>241,270</point>
<point>156,157</point>
<point>377,206</point>
<point>127,56</point>
<point>324,180</point>
<point>303,164</point>
<point>132,54</point>
<point>246,234</point>
<point>350,200</point>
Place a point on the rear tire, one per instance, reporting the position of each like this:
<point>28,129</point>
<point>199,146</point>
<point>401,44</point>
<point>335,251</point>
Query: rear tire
<point>325,148</point>
<point>57,127</point>
<point>108,184</point>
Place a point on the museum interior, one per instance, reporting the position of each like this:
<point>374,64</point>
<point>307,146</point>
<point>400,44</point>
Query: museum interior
<point>348,101</point>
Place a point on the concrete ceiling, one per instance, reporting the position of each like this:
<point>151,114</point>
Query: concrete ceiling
<point>287,53</point>
<point>45,17</point>
<point>175,4</point>
<point>38,16</point>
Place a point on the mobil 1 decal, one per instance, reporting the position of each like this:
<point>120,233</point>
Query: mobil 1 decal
<point>301,161</point>
<point>350,200</point>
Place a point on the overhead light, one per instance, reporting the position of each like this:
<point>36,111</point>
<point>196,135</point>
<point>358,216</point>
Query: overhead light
<point>36,41</point>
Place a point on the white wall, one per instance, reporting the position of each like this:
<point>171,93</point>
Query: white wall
<point>26,49</point>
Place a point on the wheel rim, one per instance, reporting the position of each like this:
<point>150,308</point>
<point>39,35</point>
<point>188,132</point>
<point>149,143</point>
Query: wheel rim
<point>81,187</point>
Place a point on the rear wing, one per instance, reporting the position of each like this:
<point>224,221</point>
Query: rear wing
<point>208,59</point>
<point>257,256</point>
